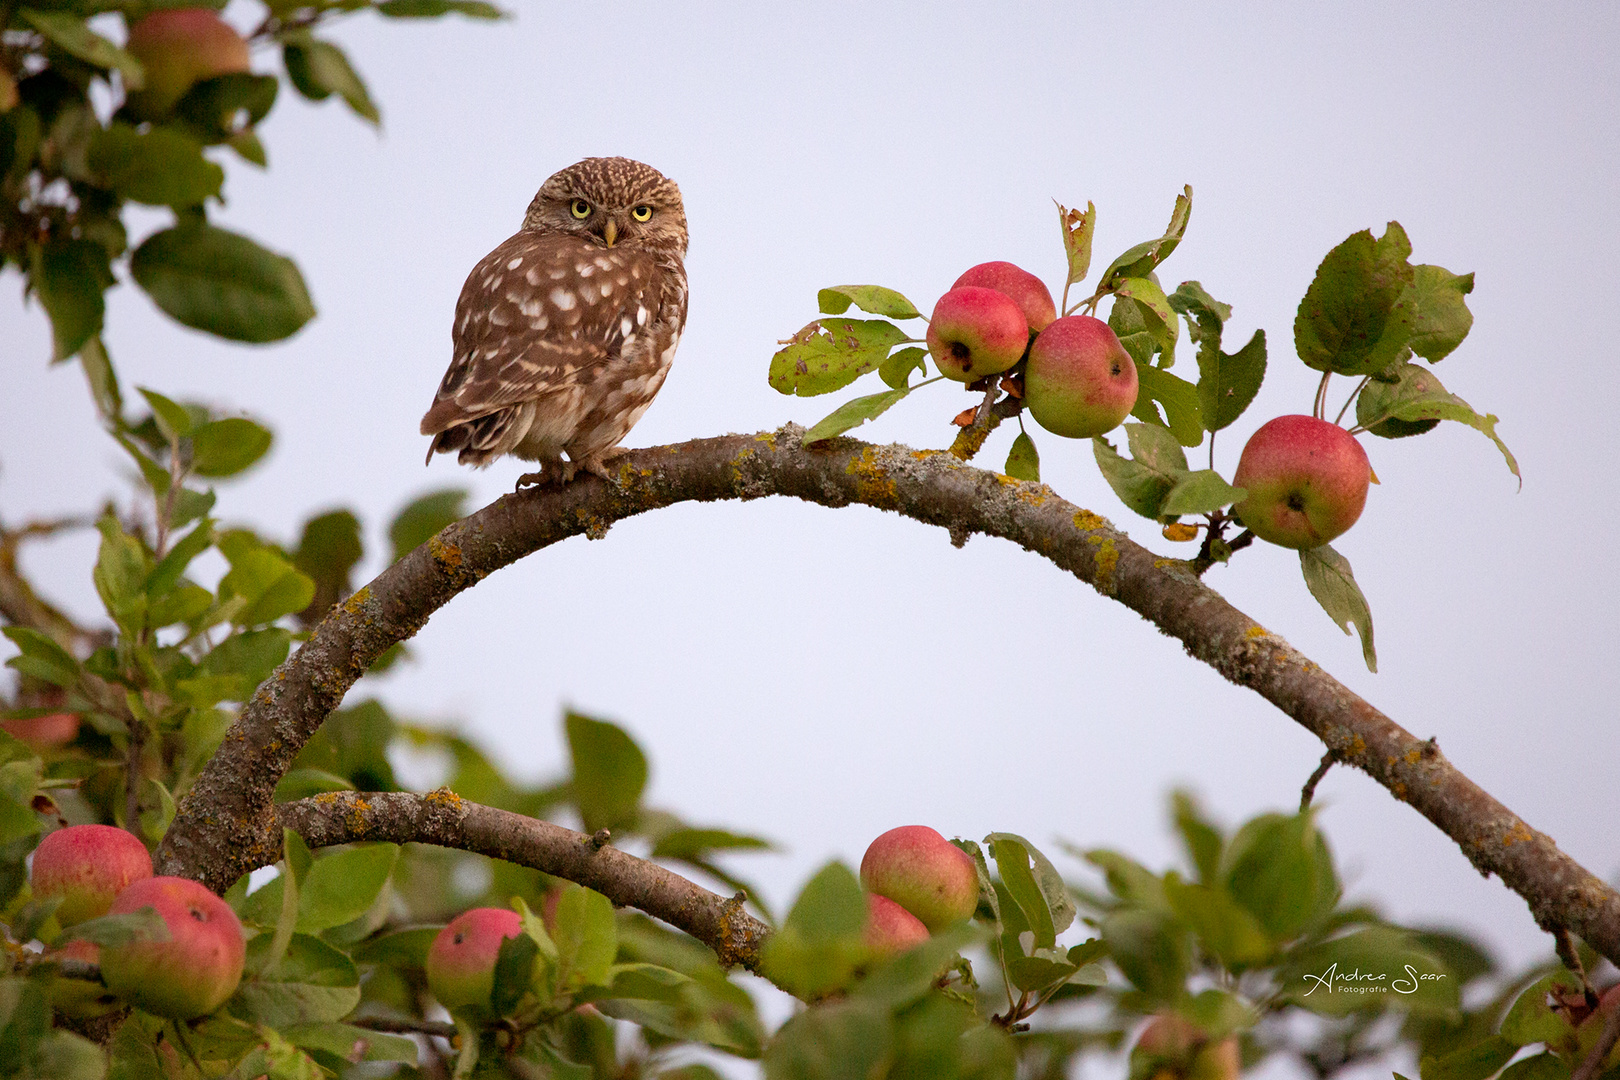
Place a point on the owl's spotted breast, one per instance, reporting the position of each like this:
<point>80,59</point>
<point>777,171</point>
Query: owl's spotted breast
<point>561,336</point>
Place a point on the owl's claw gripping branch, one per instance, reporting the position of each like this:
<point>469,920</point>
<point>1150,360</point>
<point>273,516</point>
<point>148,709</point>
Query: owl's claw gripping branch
<point>227,824</point>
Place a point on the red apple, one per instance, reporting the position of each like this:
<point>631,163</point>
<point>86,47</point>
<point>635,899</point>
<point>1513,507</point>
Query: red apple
<point>890,928</point>
<point>178,47</point>
<point>1306,481</point>
<point>924,873</point>
<point>87,866</point>
<point>80,998</point>
<point>52,729</point>
<point>1027,290</point>
<point>1080,382</point>
<point>976,332</point>
<point>192,973</point>
<point>461,960</point>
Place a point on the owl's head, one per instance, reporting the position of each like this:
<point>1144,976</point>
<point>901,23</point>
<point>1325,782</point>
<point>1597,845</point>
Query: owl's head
<point>612,201</point>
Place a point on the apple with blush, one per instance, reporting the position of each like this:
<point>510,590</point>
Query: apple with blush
<point>1306,480</point>
<point>82,999</point>
<point>1079,382</point>
<point>196,969</point>
<point>461,960</point>
<point>890,928</point>
<point>1173,1048</point>
<point>975,332</point>
<point>43,732</point>
<point>87,866</point>
<point>924,873</point>
<point>1027,291</point>
<point>177,48</point>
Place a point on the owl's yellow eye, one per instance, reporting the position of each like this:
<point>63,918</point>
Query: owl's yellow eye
<point>580,209</point>
<point>642,212</point>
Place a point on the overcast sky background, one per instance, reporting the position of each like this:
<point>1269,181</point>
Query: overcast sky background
<point>800,672</point>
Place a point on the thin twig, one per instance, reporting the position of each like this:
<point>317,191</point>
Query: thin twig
<point>435,1028</point>
<point>1564,946</point>
<point>1593,1064</point>
<point>1308,792</point>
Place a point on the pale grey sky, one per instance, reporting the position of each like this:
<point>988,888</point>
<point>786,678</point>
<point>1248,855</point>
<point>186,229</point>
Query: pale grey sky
<point>786,665</point>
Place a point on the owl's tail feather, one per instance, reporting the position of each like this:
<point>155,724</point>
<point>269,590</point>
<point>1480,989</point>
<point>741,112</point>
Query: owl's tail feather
<point>482,440</point>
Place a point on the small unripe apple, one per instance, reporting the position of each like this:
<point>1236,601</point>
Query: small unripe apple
<point>1306,481</point>
<point>461,960</point>
<point>80,998</point>
<point>196,970</point>
<point>976,332</point>
<point>178,47</point>
<point>890,928</point>
<point>52,729</point>
<point>1079,382</point>
<point>1172,1048</point>
<point>1028,291</point>
<point>87,866</point>
<point>924,873</point>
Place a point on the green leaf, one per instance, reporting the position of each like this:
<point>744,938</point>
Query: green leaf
<point>430,9</point>
<point>873,298</point>
<point>1138,485</point>
<point>1328,576</point>
<point>610,772</point>
<point>1151,950</point>
<point>342,886</point>
<point>1357,316</point>
<point>1155,309</point>
<point>833,1041</point>
<point>319,69</point>
<point>1192,300</point>
<point>227,447</point>
<point>688,844</point>
<point>172,418</point>
<point>116,930</point>
<point>1129,322</point>
<point>1077,228</point>
<point>1199,836</point>
<point>1012,864</point>
<point>353,1044</point>
<point>1531,1019</point>
<point>1029,868</point>
<point>41,657</point>
<point>1475,1062</point>
<point>903,979</point>
<point>222,283</point>
<point>1179,398</point>
<point>1278,868</point>
<point>831,353</point>
<point>1023,460</point>
<point>69,277</point>
<point>1228,382</point>
<point>854,413</point>
<point>120,576</point>
<point>313,984</point>
<point>1223,927</point>
<point>423,516</point>
<point>73,35</point>
<point>166,575</point>
<point>821,943</point>
<point>1441,318</point>
<point>225,108</point>
<point>896,368</point>
<point>586,938</point>
<point>159,166</point>
<point>103,380</point>
<point>303,783</point>
<point>1200,492</point>
<point>514,973</point>
<point>1141,260</point>
<point>1415,399</point>
<point>1539,1067</point>
<point>268,585</point>
<point>1372,969</point>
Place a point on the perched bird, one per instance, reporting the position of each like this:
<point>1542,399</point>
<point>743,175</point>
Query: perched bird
<point>565,331</point>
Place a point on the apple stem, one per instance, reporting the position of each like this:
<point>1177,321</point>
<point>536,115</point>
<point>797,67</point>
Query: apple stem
<point>1351,399</point>
<point>1321,396</point>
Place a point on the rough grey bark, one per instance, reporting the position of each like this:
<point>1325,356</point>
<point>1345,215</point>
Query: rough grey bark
<point>227,826</point>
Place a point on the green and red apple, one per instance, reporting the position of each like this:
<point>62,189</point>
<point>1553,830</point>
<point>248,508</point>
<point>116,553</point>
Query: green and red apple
<point>179,47</point>
<point>196,969</point>
<point>1027,291</point>
<point>1173,1048</point>
<point>890,928</point>
<point>1306,480</point>
<point>461,960</point>
<point>924,873</point>
<point>976,332</point>
<point>1079,382</point>
<point>87,866</point>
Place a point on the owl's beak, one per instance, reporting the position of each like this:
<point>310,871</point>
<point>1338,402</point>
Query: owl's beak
<point>610,231</point>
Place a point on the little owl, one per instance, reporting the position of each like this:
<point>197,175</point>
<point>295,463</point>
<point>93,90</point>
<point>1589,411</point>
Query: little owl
<point>565,332</point>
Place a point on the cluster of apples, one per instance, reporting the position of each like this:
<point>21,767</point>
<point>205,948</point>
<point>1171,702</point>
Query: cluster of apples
<point>917,883</point>
<point>97,870</point>
<point>1173,1048</point>
<point>1078,380</point>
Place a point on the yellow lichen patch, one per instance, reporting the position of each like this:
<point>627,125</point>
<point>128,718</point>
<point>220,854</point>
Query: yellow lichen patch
<point>1358,746</point>
<point>1256,631</point>
<point>446,555</point>
<point>357,816</point>
<point>873,485</point>
<point>1414,755</point>
<point>767,437</point>
<point>357,600</point>
<point>628,472</point>
<point>1107,559</point>
<point>445,796</point>
<point>1399,789</point>
<point>1089,522</point>
<point>1519,834</point>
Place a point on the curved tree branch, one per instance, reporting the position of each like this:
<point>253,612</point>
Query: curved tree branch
<point>227,826</point>
<point>446,819</point>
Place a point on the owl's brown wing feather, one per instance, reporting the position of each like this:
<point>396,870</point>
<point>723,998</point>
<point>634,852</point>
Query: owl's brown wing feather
<point>535,315</point>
